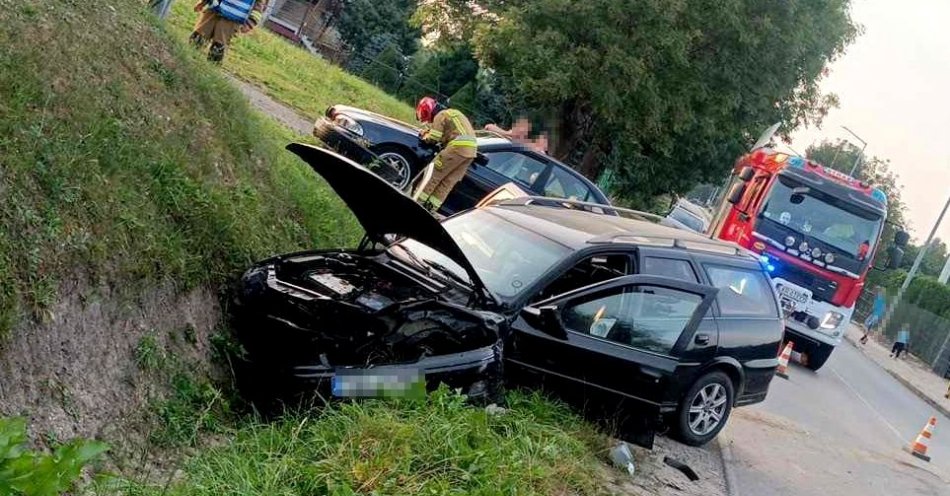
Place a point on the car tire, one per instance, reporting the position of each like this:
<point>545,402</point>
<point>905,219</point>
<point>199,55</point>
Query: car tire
<point>696,419</point>
<point>817,356</point>
<point>403,166</point>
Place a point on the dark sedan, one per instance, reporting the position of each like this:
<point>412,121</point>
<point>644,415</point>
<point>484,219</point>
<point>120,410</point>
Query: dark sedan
<point>636,323</point>
<point>363,136</point>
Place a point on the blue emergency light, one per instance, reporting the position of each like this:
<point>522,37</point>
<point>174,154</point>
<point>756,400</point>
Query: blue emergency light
<point>796,162</point>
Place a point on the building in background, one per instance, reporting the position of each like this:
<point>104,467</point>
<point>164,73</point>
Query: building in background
<point>310,23</point>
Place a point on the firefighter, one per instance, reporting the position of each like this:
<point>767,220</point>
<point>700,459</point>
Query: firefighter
<point>220,20</point>
<point>453,131</point>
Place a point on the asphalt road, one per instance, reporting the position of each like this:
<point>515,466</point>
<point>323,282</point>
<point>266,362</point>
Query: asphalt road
<point>838,431</point>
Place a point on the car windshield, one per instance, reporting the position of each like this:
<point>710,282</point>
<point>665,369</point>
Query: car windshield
<point>506,257</point>
<point>831,220</point>
<point>691,221</point>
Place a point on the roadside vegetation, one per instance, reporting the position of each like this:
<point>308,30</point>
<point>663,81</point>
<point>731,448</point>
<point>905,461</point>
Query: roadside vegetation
<point>437,446</point>
<point>127,159</point>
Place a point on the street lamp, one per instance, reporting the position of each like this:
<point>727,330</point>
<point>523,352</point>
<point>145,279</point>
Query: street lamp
<point>864,144</point>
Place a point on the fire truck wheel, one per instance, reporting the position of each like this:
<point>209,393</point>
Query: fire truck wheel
<point>818,355</point>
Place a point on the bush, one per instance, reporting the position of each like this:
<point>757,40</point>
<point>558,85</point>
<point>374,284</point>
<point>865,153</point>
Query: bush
<point>26,473</point>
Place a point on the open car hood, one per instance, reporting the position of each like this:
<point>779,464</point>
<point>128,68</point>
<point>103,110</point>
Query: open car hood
<point>381,208</point>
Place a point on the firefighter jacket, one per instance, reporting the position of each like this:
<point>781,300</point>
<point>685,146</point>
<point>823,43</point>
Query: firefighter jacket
<point>248,12</point>
<point>452,129</point>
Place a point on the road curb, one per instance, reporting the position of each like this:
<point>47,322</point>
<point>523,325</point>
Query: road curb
<point>907,384</point>
<point>927,399</point>
<point>727,458</point>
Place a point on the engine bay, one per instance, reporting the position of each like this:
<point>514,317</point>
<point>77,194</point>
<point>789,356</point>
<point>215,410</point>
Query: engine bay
<point>355,310</point>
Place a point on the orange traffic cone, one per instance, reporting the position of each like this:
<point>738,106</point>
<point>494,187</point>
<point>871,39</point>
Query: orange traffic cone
<point>782,370</point>
<point>919,447</point>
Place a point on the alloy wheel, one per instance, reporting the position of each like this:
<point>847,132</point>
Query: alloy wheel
<point>399,172</point>
<point>707,409</point>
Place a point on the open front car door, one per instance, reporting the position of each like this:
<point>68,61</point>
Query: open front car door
<point>624,350</point>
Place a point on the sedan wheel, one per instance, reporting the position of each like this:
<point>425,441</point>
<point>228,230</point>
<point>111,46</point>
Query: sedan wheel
<point>399,171</point>
<point>705,409</point>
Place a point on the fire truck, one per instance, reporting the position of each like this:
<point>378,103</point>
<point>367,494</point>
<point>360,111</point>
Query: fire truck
<point>816,231</point>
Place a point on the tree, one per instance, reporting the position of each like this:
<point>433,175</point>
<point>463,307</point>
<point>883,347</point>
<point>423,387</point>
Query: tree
<point>364,20</point>
<point>668,93</point>
<point>439,72</point>
<point>386,69</point>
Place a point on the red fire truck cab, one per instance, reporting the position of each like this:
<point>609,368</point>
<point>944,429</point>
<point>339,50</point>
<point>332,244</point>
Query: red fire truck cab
<point>816,230</point>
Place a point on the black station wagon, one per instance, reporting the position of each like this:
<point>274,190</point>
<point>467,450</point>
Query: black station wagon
<point>637,324</point>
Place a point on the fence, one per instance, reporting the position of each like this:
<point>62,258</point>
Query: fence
<point>929,332</point>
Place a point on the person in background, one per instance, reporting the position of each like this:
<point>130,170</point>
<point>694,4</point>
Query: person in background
<point>877,313</point>
<point>452,130</point>
<point>520,132</point>
<point>220,20</point>
<point>900,344</point>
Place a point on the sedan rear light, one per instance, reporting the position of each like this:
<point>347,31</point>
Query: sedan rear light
<point>331,112</point>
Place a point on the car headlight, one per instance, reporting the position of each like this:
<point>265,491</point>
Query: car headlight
<point>829,258</point>
<point>816,253</point>
<point>347,122</point>
<point>789,241</point>
<point>831,320</point>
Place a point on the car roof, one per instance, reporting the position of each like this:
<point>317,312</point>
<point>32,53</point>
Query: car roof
<point>578,228</point>
<point>495,143</point>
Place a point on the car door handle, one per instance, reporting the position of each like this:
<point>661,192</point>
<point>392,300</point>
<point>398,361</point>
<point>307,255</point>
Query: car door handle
<point>701,339</point>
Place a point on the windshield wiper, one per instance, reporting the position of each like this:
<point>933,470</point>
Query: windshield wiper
<point>418,262</point>
<point>428,266</point>
<point>450,273</point>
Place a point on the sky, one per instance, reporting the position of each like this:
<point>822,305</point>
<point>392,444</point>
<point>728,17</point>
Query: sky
<point>894,89</point>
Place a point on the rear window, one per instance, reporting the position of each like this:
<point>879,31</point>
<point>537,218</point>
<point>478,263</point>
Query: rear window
<point>742,292</point>
<point>669,267</point>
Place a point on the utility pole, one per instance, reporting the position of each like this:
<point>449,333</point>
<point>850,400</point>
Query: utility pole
<point>923,251</point>
<point>161,7</point>
<point>860,158</point>
<point>945,273</point>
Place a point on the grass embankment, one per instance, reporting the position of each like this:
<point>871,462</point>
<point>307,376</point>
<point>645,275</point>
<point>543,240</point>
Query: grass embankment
<point>127,159</point>
<point>440,446</point>
<point>292,75</point>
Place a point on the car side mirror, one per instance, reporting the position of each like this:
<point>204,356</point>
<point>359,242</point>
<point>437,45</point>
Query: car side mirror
<point>901,238</point>
<point>895,255</point>
<point>546,319</point>
<point>736,193</point>
<point>746,174</point>
<point>480,159</point>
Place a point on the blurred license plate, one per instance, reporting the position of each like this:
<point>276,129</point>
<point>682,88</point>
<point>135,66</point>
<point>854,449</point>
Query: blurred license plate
<point>794,294</point>
<point>378,382</point>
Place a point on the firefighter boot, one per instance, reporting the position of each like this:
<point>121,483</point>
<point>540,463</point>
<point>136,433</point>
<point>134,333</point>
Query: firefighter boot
<point>216,54</point>
<point>196,40</point>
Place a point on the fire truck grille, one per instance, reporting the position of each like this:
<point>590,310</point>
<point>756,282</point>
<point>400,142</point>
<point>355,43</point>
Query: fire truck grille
<point>822,289</point>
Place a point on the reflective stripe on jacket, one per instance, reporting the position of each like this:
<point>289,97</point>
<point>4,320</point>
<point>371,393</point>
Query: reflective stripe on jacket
<point>451,128</point>
<point>235,10</point>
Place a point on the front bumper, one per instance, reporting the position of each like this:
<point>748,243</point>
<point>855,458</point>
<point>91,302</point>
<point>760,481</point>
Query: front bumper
<point>348,144</point>
<point>814,310</point>
<point>476,373</point>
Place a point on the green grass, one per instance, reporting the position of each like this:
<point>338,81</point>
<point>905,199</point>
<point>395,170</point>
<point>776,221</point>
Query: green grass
<point>293,75</point>
<point>126,159</point>
<point>437,447</point>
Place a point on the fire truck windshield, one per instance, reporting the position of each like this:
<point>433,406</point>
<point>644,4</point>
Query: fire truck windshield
<point>834,221</point>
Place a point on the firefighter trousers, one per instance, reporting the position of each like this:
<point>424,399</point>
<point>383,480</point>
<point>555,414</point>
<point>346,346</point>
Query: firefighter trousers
<point>211,26</point>
<point>450,167</point>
